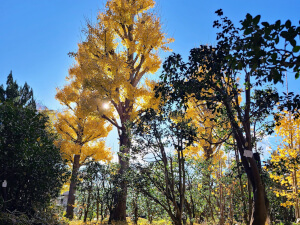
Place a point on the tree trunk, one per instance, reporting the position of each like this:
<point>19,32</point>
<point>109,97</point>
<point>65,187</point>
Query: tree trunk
<point>119,207</point>
<point>177,222</point>
<point>136,216</point>
<point>259,208</point>
<point>72,189</point>
<point>88,203</point>
<point>86,211</point>
<point>259,213</point>
<point>97,205</point>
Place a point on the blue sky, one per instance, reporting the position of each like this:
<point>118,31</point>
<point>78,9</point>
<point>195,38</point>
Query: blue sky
<point>36,35</point>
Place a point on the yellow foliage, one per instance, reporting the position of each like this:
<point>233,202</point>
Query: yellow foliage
<point>286,155</point>
<point>207,128</point>
<point>119,50</point>
<point>81,132</point>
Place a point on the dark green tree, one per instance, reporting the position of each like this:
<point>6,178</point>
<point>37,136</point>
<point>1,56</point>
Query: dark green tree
<point>30,163</point>
<point>19,96</point>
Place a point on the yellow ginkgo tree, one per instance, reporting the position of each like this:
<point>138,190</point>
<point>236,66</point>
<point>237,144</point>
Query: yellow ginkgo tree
<point>212,132</point>
<point>81,134</point>
<point>211,128</point>
<point>285,167</point>
<point>119,50</point>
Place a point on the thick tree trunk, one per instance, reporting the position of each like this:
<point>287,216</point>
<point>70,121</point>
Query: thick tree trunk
<point>177,222</point>
<point>86,211</point>
<point>260,212</point>
<point>119,207</point>
<point>259,207</point>
<point>72,189</point>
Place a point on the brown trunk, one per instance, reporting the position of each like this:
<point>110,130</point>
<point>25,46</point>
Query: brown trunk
<point>97,209</point>
<point>259,216</point>
<point>72,189</point>
<point>88,203</point>
<point>259,209</point>
<point>259,213</point>
<point>136,216</point>
<point>177,222</point>
<point>119,209</point>
<point>86,211</point>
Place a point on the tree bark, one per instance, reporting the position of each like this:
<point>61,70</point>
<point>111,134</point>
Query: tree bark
<point>88,202</point>
<point>259,208</point>
<point>72,189</point>
<point>98,203</point>
<point>119,207</point>
<point>259,212</point>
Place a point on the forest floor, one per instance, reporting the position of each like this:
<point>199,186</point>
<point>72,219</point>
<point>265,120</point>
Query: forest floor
<point>141,221</point>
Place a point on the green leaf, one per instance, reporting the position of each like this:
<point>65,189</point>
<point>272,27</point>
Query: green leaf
<point>293,42</point>
<point>240,66</point>
<point>277,24</point>
<point>248,31</point>
<point>288,24</point>
<point>296,48</point>
<point>284,34</point>
<point>265,24</point>
<point>248,16</point>
<point>256,19</point>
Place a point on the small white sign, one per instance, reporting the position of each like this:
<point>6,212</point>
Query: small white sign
<point>4,184</point>
<point>248,153</point>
